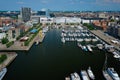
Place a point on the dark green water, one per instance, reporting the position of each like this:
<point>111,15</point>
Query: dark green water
<point>52,60</point>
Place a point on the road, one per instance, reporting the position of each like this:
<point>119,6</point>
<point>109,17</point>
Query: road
<point>106,38</point>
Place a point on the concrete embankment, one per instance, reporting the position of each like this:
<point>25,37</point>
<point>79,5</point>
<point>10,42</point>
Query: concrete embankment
<point>10,57</point>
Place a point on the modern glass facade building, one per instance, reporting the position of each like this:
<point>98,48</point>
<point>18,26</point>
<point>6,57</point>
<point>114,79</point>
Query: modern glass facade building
<point>26,14</point>
<point>44,13</point>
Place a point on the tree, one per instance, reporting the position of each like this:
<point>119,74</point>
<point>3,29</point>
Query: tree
<point>112,20</point>
<point>4,40</point>
<point>3,57</point>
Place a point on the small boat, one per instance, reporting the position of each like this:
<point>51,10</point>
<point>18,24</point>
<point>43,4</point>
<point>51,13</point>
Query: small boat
<point>106,75</point>
<point>113,74</point>
<point>63,30</point>
<point>90,73</point>
<point>67,78</point>
<point>84,75</point>
<point>89,48</point>
<point>84,48</point>
<point>94,40</point>
<point>2,73</point>
<point>79,40</point>
<point>79,45</point>
<point>77,77</point>
<point>116,54</point>
<point>37,42</point>
<point>100,46</point>
<point>72,76</point>
<point>63,40</point>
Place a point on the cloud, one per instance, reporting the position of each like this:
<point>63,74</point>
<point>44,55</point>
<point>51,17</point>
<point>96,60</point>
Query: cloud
<point>109,1</point>
<point>81,2</point>
<point>105,2</point>
<point>20,2</point>
<point>44,1</point>
<point>116,1</point>
<point>72,2</point>
<point>76,1</point>
<point>100,2</point>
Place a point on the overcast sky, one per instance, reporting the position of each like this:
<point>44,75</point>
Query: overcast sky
<point>79,5</point>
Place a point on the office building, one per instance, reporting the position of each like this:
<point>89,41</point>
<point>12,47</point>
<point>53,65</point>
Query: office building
<point>44,13</point>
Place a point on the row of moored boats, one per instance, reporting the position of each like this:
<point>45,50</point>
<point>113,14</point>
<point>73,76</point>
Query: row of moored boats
<point>85,48</point>
<point>84,75</point>
<point>77,35</point>
<point>109,74</point>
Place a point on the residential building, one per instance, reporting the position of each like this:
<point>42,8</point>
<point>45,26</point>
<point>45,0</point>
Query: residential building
<point>113,30</point>
<point>118,32</point>
<point>26,14</point>
<point>2,35</point>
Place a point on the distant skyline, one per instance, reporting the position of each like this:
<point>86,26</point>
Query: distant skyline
<point>61,5</point>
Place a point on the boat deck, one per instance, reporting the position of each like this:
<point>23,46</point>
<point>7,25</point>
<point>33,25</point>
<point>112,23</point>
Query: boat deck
<point>107,77</point>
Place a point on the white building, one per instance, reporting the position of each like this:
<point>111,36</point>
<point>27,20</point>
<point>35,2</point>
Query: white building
<point>2,35</point>
<point>67,20</point>
<point>102,15</point>
<point>29,24</point>
<point>41,19</point>
<point>85,21</point>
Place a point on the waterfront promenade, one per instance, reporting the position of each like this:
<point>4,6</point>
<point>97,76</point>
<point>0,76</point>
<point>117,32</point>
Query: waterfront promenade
<point>18,45</point>
<point>10,57</point>
<point>106,38</point>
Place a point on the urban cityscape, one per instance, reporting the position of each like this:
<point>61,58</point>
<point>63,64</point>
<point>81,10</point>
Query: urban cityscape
<point>64,40</point>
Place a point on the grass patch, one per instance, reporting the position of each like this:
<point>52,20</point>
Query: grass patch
<point>3,57</point>
<point>9,44</point>
<point>26,43</point>
<point>35,26</point>
<point>89,26</point>
<point>4,40</point>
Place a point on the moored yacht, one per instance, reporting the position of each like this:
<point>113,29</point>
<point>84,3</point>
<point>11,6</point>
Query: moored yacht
<point>84,48</point>
<point>116,54</point>
<point>79,45</point>
<point>89,48</point>
<point>77,77</point>
<point>100,46</point>
<point>90,73</point>
<point>37,42</point>
<point>84,75</point>
<point>67,78</point>
<point>106,75</point>
<point>113,74</point>
<point>72,76</point>
<point>63,40</point>
<point>2,73</point>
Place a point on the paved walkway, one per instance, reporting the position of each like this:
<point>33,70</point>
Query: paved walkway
<point>18,45</point>
<point>10,57</point>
